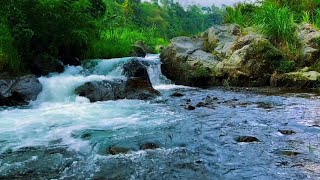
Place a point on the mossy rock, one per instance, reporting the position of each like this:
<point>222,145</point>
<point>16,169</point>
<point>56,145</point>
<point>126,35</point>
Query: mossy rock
<point>300,79</point>
<point>251,65</point>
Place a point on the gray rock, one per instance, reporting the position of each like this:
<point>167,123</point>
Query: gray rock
<point>138,88</point>
<point>220,39</point>
<point>184,62</point>
<point>19,91</point>
<point>310,38</point>
<point>149,145</point>
<point>251,65</point>
<point>136,68</point>
<point>102,90</point>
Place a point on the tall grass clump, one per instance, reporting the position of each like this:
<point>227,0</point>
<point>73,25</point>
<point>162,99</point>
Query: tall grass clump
<point>277,23</point>
<point>317,18</point>
<point>306,18</point>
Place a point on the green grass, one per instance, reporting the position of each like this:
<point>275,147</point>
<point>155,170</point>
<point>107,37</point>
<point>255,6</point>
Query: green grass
<point>277,23</point>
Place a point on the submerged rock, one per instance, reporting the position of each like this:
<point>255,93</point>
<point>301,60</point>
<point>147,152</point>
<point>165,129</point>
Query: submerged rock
<point>114,150</point>
<point>264,105</point>
<point>19,91</point>
<point>208,102</point>
<point>149,145</point>
<point>287,132</point>
<point>288,153</point>
<point>177,94</point>
<point>189,107</point>
<point>247,139</point>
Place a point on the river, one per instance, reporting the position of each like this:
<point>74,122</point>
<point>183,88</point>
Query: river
<point>63,136</point>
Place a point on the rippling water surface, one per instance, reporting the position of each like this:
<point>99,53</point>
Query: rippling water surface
<point>62,136</point>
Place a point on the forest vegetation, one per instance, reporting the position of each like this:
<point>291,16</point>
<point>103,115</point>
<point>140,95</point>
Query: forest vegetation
<point>31,29</point>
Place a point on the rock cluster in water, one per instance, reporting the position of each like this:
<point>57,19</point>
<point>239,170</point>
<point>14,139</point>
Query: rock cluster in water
<point>137,86</point>
<point>228,55</point>
<point>16,91</point>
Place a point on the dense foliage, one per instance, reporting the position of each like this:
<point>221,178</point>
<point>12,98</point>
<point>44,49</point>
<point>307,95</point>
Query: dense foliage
<point>91,28</point>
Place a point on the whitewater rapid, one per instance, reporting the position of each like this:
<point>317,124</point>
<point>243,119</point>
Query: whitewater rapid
<point>58,112</point>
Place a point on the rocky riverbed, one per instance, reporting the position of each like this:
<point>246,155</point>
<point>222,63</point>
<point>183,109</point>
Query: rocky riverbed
<point>181,133</point>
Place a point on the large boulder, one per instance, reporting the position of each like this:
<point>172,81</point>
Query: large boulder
<point>220,39</point>
<point>299,79</point>
<point>136,68</point>
<point>251,64</point>
<point>186,63</point>
<point>102,90</point>
<point>310,38</point>
<point>19,91</point>
<point>138,88</point>
<point>46,64</point>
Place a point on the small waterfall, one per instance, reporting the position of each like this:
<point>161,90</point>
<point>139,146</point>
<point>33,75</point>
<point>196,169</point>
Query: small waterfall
<point>60,87</point>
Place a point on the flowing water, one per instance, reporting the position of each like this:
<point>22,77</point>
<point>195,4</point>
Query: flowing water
<point>63,136</point>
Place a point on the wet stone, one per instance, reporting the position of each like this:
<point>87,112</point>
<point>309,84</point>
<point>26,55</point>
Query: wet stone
<point>247,139</point>
<point>201,104</point>
<point>287,132</point>
<point>189,107</point>
<point>288,153</point>
<point>114,150</point>
<point>208,102</point>
<point>263,105</point>
<point>86,136</point>
<point>177,94</point>
<point>149,145</point>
